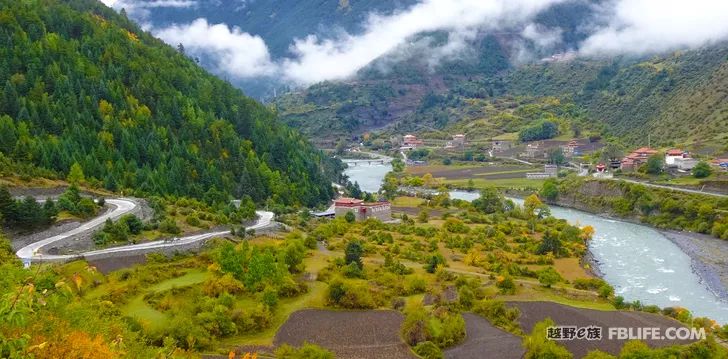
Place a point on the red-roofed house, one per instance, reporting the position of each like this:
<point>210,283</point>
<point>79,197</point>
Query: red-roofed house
<point>363,210</point>
<point>672,155</point>
<point>637,158</point>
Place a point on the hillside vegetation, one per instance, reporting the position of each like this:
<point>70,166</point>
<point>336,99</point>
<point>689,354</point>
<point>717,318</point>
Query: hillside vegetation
<point>82,84</point>
<point>679,97</point>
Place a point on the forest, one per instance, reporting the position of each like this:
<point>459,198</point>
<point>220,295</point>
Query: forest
<point>81,84</point>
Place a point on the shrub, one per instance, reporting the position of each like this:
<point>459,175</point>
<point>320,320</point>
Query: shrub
<point>169,226</point>
<point>133,223</point>
<point>702,170</point>
<point>307,351</point>
<point>538,347</point>
<point>193,220</point>
<point>434,261</point>
<point>506,284</point>
<point>549,277</point>
<point>499,314</point>
<point>428,350</point>
<point>415,285</point>
<point>269,297</point>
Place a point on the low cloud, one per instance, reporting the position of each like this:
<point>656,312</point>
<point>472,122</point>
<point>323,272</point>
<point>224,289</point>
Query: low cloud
<point>234,52</point>
<point>623,27</point>
<point>653,26</point>
<point>316,59</point>
<point>140,9</point>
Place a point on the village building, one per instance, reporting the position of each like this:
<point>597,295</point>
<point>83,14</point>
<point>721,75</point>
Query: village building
<point>500,146</point>
<point>534,150</point>
<point>637,158</point>
<point>570,149</point>
<point>363,210</point>
<point>410,142</point>
<point>549,171</point>
<point>672,155</point>
<point>458,141</point>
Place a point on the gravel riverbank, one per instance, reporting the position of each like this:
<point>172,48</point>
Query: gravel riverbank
<point>709,258</point>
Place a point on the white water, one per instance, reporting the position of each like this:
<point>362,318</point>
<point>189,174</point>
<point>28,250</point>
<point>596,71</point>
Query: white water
<point>640,262</point>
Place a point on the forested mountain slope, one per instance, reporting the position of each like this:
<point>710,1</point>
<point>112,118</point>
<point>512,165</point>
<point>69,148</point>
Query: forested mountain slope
<point>677,97</point>
<point>80,83</point>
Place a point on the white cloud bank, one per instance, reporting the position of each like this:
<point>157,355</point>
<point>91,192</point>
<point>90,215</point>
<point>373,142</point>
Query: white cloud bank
<point>140,9</point>
<point>650,26</point>
<point>632,26</point>
<point>316,59</point>
<point>235,52</point>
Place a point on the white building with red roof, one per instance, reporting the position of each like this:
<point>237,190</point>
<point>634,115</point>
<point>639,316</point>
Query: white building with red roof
<point>363,210</point>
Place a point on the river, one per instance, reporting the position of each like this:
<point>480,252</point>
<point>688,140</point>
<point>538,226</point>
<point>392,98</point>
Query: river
<point>369,176</point>
<point>639,261</point>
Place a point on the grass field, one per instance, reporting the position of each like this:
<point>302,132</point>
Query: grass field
<point>407,201</point>
<point>151,317</point>
<point>518,183</point>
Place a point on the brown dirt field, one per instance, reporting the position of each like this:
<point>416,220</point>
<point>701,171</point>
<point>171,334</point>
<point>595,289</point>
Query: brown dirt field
<point>454,172</point>
<point>484,341</point>
<point>108,265</point>
<point>349,334</point>
<point>533,312</point>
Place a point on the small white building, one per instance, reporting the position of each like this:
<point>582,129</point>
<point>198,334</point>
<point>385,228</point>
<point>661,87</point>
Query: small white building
<point>672,155</point>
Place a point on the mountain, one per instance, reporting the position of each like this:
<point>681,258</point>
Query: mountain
<point>278,22</point>
<point>679,97</point>
<point>82,84</point>
<point>676,97</point>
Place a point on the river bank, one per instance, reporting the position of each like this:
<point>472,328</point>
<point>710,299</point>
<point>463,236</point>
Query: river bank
<point>709,258</point>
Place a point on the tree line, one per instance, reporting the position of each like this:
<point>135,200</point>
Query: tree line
<point>82,84</point>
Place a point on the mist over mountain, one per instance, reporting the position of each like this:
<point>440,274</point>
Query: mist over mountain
<point>348,67</point>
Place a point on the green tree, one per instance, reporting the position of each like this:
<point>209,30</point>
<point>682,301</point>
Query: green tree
<point>423,216</point>
<point>549,277</point>
<point>8,135</point>
<point>75,175</point>
<point>490,200</point>
<point>654,165</point>
<point>702,170</point>
<point>353,253</point>
<point>550,189</point>
<point>433,262</point>
<point>350,217</point>
<point>551,243</point>
<point>556,156</point>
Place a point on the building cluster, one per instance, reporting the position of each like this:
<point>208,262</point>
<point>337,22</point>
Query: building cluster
<point>637,158</point>
<point>674,158</point>
<point>679,159</point>
<point>541,149</point>
<point>458,142</point>
<point>363,210</point>
<point>410,142</point>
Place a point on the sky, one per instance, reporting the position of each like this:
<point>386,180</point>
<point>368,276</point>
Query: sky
<point>624,27</point>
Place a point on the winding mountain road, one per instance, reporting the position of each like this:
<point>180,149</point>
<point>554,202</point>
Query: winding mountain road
<point>34,251</point>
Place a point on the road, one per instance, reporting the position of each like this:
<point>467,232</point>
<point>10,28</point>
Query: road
<point>679,189</point>
<point>33,251</point>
